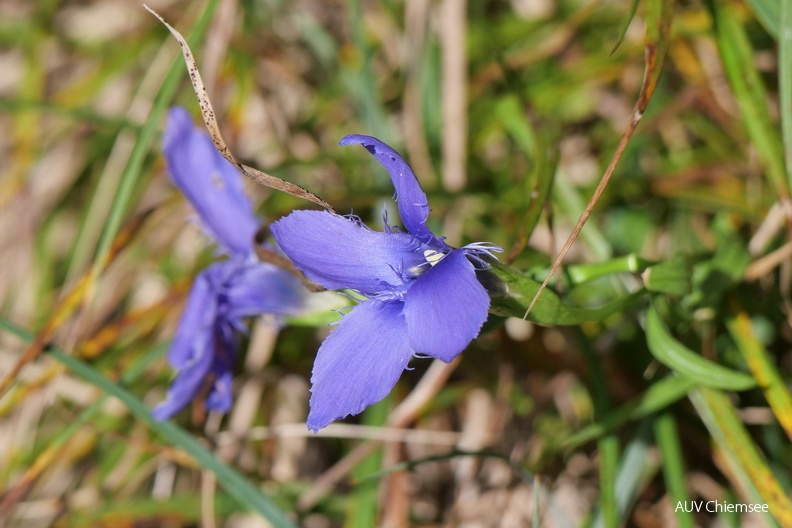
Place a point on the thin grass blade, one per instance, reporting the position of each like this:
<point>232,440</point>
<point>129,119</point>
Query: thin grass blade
<point>738,61</point>
<point>539,181</point>
<point>636,469</point>
<point>673,463</point>
<point>726,429</point>
<point>763,369</point>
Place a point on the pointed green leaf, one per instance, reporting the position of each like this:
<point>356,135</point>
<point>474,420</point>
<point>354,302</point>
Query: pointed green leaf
<point>682,360</point>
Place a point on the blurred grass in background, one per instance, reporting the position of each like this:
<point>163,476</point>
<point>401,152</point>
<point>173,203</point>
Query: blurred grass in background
<point>509,113</point>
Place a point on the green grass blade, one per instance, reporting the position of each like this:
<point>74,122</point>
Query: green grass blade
<point>568,199</point>
<point>785,83</point>
<point>667,437</point>
<point>608,447</point>
<point>672,276</point>
<point>681,359</point>
<point>87,414</point>
<point>721,419</point>
<point>360,79</point>
<point>536,495</point>
<point>608,444</point>
<point>738,61</point>
<point>364,503</point>
<point>148,133</point>
<point>234,483</point>
<point>763,369</point>
<point>635,470</point>
<point>657,396</point>
<point>625,25</point>
<point>539,182</point>
<point>768,13</point>
<point>178,510</point>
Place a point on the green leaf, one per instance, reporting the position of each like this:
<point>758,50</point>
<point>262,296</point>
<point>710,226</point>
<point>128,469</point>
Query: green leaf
<point>607,445</point>
<point>512,291</point>
<point>671,277</point>
<point>684,361</point>
<point>713,278</point>
<point>364,500</point>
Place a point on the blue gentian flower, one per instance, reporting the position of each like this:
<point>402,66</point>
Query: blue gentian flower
<point>204,349</point>
<point>422,297</point>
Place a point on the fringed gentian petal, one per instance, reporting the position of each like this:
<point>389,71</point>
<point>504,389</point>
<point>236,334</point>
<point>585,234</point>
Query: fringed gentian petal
<point>410,198</point>
<point>359,362</point>
<point>446,308</point>
<point>338,252</point>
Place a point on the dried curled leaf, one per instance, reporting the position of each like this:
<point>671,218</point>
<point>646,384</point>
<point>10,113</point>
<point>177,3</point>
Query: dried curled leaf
<point>207,111</point>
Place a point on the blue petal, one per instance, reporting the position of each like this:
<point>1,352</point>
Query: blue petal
<point>359,363</point>
<point>339,253</point>
<point>411,200</point>
<point>191,376</point>
<point>197,320</point>
<point>446,307</point>
<point>220,396</point>
<point>257,288</point>
<point>212,184</point>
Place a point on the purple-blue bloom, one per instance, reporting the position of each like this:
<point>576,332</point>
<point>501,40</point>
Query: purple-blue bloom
<point>204,349</point>
<point>422,295</point>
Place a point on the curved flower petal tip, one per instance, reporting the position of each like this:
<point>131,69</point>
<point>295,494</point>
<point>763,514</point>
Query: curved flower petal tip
<point>411,200</point>
<point>446,307</point>
<point>359,363</point>
<point>339,253</point>
<point>211,183</point>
